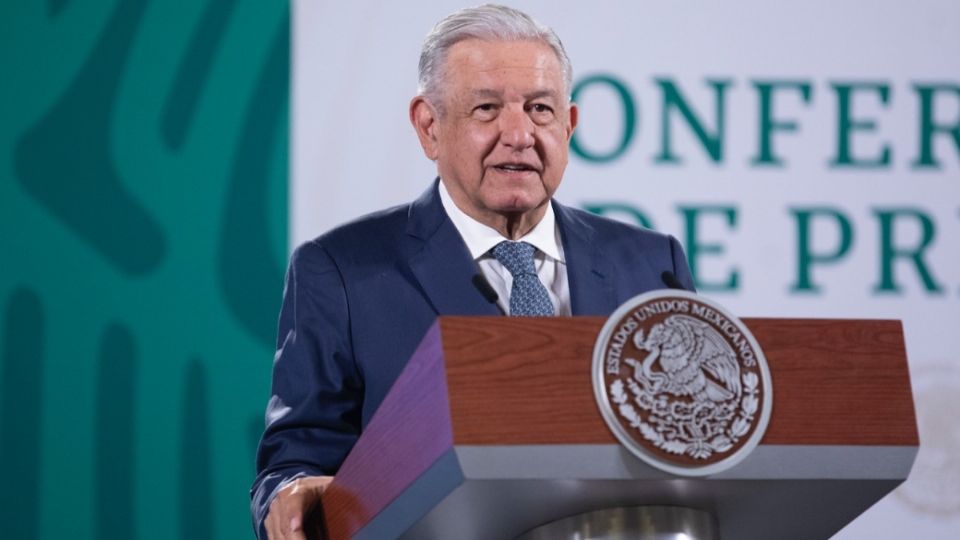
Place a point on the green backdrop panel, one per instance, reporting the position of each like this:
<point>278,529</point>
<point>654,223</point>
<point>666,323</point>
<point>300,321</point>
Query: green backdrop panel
<point>143,186</point>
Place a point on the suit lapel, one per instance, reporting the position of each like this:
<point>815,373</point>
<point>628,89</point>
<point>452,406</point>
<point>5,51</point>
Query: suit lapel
<point>589,274</point>
<point>440,260</point>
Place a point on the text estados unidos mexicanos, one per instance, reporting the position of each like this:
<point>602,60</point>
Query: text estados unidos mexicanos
<point>629,326</point>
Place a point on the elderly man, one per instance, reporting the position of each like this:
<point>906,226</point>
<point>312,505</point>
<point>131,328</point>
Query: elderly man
<point>493,111</point>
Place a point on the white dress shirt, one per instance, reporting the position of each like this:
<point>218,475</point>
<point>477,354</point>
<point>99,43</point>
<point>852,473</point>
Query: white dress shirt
<point>548,259</point>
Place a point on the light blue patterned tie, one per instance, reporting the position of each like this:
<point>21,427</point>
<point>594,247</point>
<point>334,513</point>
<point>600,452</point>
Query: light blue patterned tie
<point>528,297</point>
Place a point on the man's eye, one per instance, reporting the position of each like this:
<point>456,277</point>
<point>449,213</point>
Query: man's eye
<point>485,111</point>
<point>541,108</point>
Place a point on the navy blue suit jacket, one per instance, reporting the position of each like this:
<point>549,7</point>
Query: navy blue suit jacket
<point>359,298</point>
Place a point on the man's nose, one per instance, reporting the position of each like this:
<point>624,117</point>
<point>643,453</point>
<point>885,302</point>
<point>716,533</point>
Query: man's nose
<point>516,129</point>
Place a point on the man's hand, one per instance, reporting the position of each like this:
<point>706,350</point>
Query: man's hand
<point>286,516</point>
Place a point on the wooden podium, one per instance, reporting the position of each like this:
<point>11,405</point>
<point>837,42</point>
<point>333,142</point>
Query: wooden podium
<point>492,429</point>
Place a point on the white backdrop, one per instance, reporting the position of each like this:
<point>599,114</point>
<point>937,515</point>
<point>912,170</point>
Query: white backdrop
<point>354,152</point>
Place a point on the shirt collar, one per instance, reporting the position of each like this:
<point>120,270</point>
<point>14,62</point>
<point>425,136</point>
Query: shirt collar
<point>481,238</point>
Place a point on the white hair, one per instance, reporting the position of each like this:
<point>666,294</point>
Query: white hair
<point>488,22</point>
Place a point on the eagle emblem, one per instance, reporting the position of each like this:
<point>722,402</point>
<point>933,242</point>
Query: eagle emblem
<point>687,358</point>
<point>681,382</point>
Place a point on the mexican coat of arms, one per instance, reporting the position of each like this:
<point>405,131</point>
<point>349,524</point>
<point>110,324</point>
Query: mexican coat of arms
<point>682,383</point>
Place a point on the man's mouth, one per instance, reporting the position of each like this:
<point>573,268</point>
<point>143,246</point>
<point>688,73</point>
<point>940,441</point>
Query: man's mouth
<point>515,167</point>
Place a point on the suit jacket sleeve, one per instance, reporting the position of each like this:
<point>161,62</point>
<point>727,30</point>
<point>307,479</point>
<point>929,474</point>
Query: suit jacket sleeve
<point>313,416</point>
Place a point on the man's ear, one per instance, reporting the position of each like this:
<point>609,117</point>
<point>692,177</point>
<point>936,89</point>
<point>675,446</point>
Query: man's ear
<point>424,116</point>
<point>572,117</point>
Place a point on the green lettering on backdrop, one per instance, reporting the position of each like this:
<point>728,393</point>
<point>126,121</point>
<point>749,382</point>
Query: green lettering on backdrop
<point>674,100</point>
<point>890,251</point>
<point>929,126</point>
<point>847,125</point>
<point>768,124</point>
<point>696,249</point>
<point>629,119</point>
<point>614,208</point>
<point>806,257</point>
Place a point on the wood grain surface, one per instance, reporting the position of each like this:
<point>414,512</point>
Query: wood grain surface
<point>528,381</point>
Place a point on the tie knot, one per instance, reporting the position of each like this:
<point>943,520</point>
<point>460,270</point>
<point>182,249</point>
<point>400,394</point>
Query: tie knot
<point>517,257</point>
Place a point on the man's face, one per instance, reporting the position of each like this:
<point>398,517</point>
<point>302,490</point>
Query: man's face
<point>501,141</point>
